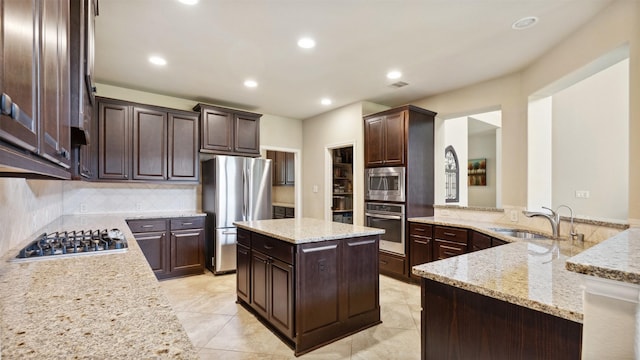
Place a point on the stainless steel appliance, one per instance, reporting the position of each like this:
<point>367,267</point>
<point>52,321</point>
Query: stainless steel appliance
<point>233,189</point>
<point>72,243</point>
<point>391,218</point>
<point>385,184</point>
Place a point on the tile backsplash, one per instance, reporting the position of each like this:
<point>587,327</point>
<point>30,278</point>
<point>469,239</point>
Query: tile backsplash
<point>96,198</point>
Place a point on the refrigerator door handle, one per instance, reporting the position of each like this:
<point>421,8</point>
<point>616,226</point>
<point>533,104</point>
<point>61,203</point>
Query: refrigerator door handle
<point>245,186</point>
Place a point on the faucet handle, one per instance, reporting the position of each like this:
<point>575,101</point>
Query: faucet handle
<point>552,212</point>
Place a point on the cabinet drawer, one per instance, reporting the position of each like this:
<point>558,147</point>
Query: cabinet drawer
<point>187,223</point>
<point>480,241</point>
<point>272,247</point>
<point>418,229</point>
<point>446,249</point>
<point>498,242</point>
<point>138,226</point>
<point>451,234</point>
<point>278,212</point>
<point>289,212</point>
<point>244,237</point>
<point>390,263</point>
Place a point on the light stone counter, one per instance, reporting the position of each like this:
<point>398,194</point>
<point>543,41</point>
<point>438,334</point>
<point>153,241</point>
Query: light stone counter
<point>94,306</point>
<point>527,273</point>
<point>306,230</point>
<point>617,258</point>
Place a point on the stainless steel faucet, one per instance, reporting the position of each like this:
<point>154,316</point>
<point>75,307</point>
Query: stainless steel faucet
<point>554,219</point>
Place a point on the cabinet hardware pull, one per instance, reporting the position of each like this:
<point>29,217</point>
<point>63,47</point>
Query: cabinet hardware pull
<point>148,226</point>
<point>188,234</point>
<point>15,111</point>
<point>383,262</point>
<point>64,154</point>
<point>5,104</point>
<point>421,242</point>
<point>450,234</point>
<point>268,247</point>
<point>187,223</point>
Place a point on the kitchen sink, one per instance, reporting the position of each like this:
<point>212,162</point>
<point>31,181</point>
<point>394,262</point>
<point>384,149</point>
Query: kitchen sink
<point>521,234</point>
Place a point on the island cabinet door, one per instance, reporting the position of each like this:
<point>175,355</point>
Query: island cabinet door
<point>259,283</point>
<point>243,271</point>
<point>281,296</point>
<point>362,274</point>
<point>318,290</point>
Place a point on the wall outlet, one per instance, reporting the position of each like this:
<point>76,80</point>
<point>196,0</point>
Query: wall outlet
<point>445,212</point>
<point>138,206</point>
<point>83,208</point>
<point>513,215</point>
<point>582,194</point>
<point>315,188</point>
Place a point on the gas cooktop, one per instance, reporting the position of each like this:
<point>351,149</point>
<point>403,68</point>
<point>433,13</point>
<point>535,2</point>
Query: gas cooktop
<point>73,243</point>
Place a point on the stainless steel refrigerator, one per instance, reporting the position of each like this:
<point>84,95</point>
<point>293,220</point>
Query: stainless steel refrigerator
<point>233,189</point>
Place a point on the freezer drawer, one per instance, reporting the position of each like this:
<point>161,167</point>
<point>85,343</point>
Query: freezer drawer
<point>225,250</point>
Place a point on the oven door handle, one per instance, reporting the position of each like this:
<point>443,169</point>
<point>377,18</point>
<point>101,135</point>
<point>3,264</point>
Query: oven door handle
<point>390,217</point>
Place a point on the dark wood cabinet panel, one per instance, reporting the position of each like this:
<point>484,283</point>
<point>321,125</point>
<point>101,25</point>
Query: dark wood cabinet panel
<point>228,131</point>
<point>290,168</point>
<point>187,251</point>
<point>374,141</point>
<point>183,158</point>
<point>153,246</point>
<point>443,249</point>
<point>114,129</point>
<point>420,245</point>
<point>243,272</point>
<point>281,296</point>
<point>392,264</point>
<point>18,82</point>
<point>217,130</point>
<point>394,139</point>
<point>497,242</point>
<point>182,253</point>
<point>260,283</point>
<point>362,288</point>
<point>459,324</point>
<point>451,234</point>
<point>479,241</point>
<point>149,144</point>
<point>283,167</point>
<point>247,134</point>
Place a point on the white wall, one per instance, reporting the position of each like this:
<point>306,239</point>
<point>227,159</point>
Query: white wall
<point>591,145</point>
<point>540,153</point>
<point>484,146</point>
<point>456,135</point>
<point>336,128</point>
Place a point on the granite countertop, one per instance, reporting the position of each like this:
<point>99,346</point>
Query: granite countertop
<point>102,306</point>
<point>527,273</point>
<point>617,258</point>
<point>306,230</point>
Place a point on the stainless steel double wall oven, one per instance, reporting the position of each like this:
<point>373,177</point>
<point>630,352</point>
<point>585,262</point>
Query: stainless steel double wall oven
<point>384,206</point>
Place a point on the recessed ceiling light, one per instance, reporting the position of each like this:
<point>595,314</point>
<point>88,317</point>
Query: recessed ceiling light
<point>394,74</point>
<point>189,2</point>
<point>306,43</point>
<point>326,101</point>
<point>157,60</point>
<point>250,83</point>
<point>524,23</point>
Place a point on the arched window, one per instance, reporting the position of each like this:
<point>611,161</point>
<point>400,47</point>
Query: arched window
<point>452,173</point>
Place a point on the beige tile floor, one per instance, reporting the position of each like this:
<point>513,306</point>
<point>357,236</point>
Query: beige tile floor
<point>222,330</point>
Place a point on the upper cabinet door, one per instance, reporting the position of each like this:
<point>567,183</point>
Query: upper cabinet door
<point>394,142</point>
<point>374,141</point>
<point>217,130</point>
<point>183,147</point>
<point>114,141</point>
<point>18,85</point>
<point>149,144</point>
<point>247,134</point>
<point>54,82</point>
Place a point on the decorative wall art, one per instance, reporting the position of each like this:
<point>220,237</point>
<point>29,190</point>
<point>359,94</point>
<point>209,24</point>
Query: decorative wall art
<point>477,170</point>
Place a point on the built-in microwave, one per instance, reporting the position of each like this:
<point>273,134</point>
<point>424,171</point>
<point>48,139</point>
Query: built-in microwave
<point>385,184</point>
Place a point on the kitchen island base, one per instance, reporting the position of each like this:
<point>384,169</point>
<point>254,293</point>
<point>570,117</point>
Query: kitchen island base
<point>460,324</point>
<point>309,294</point>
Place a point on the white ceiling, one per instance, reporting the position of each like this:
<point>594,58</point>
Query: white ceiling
<point>212,47</point>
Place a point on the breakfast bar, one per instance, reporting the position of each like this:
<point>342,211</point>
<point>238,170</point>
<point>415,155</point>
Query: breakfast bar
<point>310,281</point>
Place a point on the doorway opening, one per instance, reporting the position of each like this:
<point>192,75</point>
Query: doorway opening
<point>342,184</point>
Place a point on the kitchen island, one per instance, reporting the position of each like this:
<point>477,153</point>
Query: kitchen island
<point>310,281</point>
<point>99,306</point>
<point>507,302</point>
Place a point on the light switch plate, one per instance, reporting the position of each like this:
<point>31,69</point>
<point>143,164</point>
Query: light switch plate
<point>513,215</point>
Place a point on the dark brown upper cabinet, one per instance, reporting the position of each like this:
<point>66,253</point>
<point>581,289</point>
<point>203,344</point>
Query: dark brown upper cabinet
<point>228,131</point>
<point>146,143</point>
<point>283,168</point>
<point>34,88</point>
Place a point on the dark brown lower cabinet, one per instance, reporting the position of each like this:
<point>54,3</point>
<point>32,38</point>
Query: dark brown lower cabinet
<point>310,294</point>
<point>459,324</point>
<point>393,265</point>
<point>173,247</point>
<point>420,246</point>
